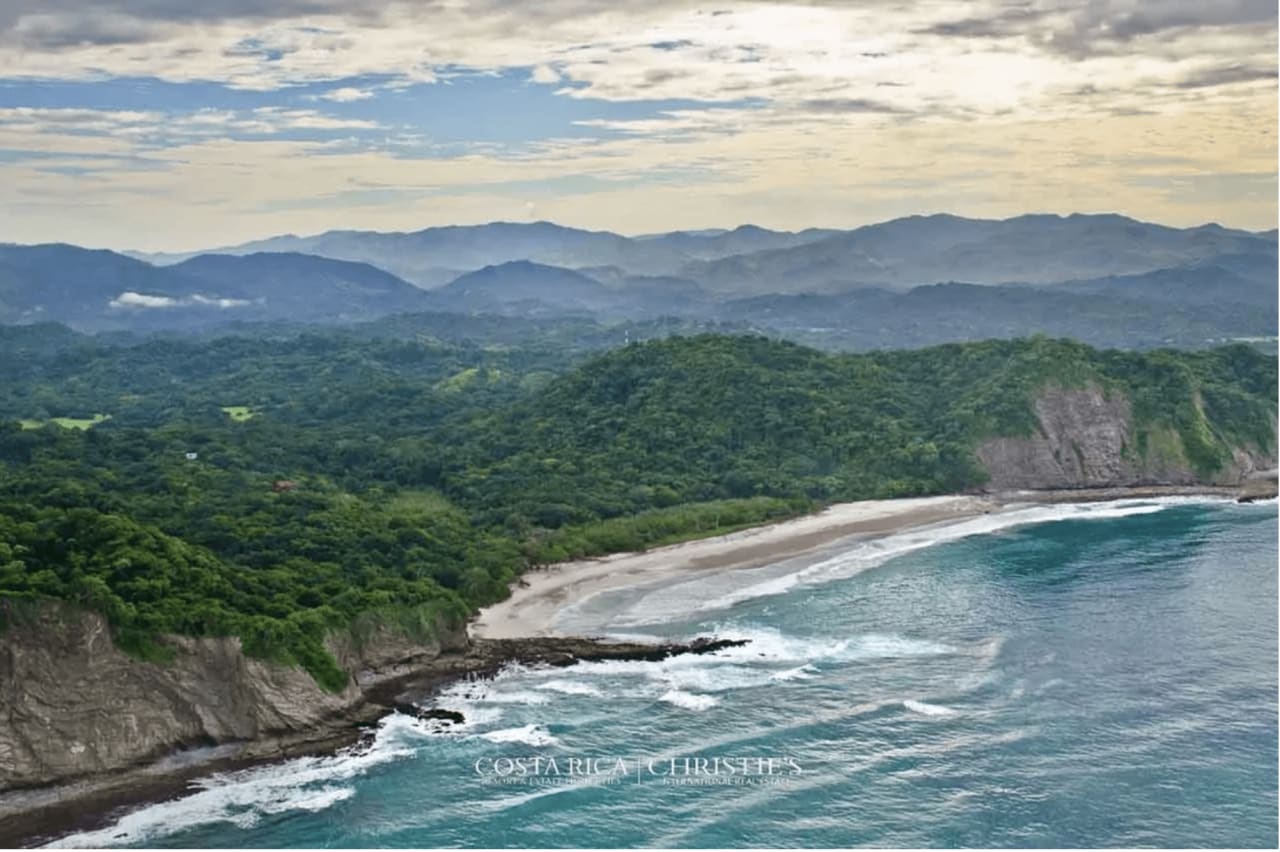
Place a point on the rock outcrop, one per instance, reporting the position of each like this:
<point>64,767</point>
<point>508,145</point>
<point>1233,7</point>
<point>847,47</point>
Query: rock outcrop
<point>73,705</point>
<point>75,709</point>
<point>1085,439</point>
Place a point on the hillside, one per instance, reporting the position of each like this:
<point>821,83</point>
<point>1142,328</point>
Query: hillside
<point>709,418</point>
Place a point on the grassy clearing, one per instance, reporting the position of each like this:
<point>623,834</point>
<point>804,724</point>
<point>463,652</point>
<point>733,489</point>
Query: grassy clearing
<point>468,377</point>
<point>238,413</point>
<point>67,422</point>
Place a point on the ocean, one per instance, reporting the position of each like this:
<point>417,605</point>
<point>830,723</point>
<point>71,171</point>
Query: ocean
<point>1071,675</point>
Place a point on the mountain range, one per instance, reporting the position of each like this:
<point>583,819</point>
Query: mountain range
<point>920,279</point>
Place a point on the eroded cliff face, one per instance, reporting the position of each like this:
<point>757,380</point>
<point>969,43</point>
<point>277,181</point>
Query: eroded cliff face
<point>72,705</point>
<point>1085,439</point>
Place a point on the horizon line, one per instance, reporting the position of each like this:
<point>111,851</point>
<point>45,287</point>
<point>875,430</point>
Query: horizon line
<point>640,235</point>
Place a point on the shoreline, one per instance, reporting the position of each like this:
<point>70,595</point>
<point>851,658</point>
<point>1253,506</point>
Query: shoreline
<point>539,595</point>
<point>42,815</point>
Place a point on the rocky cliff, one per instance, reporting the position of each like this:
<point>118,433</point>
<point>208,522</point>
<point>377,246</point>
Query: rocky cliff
<point>72,705</point>
<point>85,727</point>
<point>1086,438</point>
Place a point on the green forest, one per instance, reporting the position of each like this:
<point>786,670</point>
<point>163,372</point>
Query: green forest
<point>279,486</point>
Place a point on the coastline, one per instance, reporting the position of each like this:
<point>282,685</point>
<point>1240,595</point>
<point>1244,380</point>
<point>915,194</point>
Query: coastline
<point>43,814</point>
<point>538,596</point>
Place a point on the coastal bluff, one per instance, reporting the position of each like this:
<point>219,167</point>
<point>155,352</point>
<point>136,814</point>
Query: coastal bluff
<point>74,705</point>
<point>80,718</point>
<point>1088,438</point>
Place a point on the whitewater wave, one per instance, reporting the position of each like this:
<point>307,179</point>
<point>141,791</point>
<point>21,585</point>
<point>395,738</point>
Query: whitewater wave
<point>805,672</point>
<point>569,687</point>
<point>531,734</point>
<point>927,709</point>
<point>243,797</point>
<point>689,700</point>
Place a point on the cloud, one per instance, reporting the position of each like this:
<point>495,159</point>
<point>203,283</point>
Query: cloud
<point>346,95</point>
<point>1104,27</point>
<point>154,129</point>
<point>1000,23</point>
<point>779,111</point>
<point>847,105</point>
<point>777,52</point>
<point>544,75</point>
<point>219,303</point>
<point>129,299</point>
<point>1226,75</point>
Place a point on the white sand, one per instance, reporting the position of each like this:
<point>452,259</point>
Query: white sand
<point>535,601</point>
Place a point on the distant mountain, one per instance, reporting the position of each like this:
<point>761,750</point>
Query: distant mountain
<point>748,260</point>
<point>102,290</point>
<point>708,245</point>
<point>64,283</point>
<point>533,289</point>
<point>299,286</point>
<point>1105,279</point>
<point>942,313</point>
<point>1038,249</point>
<point>522,283</point>
<point>1221,280</point>
<point>435,256</point>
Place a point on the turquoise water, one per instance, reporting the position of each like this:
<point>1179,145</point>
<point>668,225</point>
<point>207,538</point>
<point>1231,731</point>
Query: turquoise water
<point>1068,676</point>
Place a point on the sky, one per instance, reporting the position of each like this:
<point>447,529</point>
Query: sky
<point>171,125</point>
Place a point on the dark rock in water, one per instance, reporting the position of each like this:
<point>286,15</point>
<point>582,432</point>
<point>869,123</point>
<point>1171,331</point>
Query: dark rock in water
<point>417,712</point>
<point>703,645</point>
<point>452,716</point>
<point>567,650</point>
<point>1251,498</point>
<point>486,657</point>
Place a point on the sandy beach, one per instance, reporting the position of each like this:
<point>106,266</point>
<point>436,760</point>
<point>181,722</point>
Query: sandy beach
<point>540,595</point>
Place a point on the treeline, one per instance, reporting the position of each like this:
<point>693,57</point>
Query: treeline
<point>411,481</point>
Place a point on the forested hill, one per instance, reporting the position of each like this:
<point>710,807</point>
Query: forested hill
<point>279,489</point>
<point>690,419</point>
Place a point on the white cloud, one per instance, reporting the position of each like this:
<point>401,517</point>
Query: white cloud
<point>985,55</point>
<point>346,94</point>
<point>219,303</point>
<point>857,111</point>
<point>130,299</point>
<point>545,75</point>
<point>279,118</point>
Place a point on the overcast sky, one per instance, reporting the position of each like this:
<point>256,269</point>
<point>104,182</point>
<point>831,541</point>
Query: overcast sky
<point>170,124</point>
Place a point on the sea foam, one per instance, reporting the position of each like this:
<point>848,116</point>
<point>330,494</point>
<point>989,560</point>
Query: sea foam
<point>244,796</point>
<point>927,709</point>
